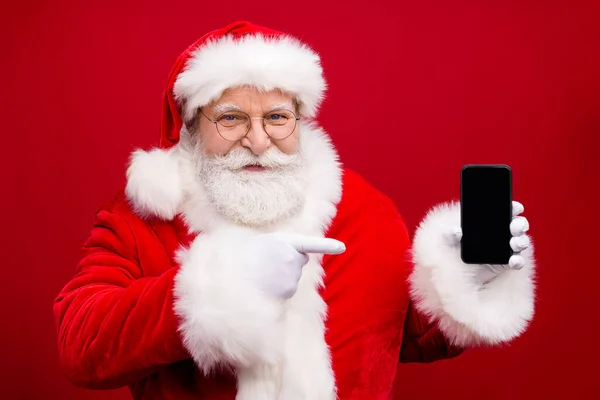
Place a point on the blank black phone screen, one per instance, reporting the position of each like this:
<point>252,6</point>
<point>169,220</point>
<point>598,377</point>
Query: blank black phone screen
<point>486,213</point>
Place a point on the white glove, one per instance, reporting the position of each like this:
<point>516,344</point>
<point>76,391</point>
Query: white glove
<point>519,242</point>
<point>274,261</point>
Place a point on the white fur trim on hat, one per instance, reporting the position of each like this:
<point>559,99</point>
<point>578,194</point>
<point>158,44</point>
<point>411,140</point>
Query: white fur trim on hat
<point>445,288</point>
<point>266,63</point>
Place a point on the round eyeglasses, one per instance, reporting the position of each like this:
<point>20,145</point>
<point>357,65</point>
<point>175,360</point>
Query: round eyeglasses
<point>235,125</point>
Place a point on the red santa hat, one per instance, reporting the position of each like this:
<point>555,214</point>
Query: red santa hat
<point>239,54</point>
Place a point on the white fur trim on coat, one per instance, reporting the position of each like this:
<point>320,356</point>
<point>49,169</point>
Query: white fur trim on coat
<point>226,321</point>
<point>445,289</point>
<point>263,62</point>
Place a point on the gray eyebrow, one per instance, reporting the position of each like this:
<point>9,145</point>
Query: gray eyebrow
<point>285,105</point>
<point>221,108</point>
<point>224,107</point>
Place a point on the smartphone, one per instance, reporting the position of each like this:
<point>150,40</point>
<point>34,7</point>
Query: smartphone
<point>486,213</point>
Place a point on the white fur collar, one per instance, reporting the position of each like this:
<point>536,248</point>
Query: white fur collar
<point>161,184</point>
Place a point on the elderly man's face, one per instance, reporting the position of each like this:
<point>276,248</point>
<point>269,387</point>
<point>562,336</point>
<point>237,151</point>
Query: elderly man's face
<point>256,104</point>
<point>257,180</point>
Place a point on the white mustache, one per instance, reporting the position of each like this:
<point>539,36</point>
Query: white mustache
<point>239,158</point>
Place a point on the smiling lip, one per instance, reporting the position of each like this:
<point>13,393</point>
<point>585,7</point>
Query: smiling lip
<point>255,168</point>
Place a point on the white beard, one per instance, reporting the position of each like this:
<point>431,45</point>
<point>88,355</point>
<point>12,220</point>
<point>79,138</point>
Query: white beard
<point>252,198</point>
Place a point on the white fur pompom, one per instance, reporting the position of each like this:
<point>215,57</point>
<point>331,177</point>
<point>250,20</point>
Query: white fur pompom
<point>154,185</point>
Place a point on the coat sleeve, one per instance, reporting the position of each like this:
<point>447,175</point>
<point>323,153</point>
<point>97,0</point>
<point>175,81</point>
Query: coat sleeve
<point>450,309</point>
<point>114,324</point>
<point>447,291</point>
<point>423,341</point>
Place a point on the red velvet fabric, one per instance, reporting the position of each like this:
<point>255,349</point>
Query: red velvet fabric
<point>116,324</point>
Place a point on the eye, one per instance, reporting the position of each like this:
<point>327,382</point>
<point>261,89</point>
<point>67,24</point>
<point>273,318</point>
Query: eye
<point>279,116</point>
<point>228,117</point>
<point>231,119</point>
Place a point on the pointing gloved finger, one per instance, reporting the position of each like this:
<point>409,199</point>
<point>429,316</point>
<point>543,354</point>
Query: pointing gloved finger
<point>319,245</point>
<point>313,244</point>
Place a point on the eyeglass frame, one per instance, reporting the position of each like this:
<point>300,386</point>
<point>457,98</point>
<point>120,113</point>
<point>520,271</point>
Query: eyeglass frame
<point>216,121</point>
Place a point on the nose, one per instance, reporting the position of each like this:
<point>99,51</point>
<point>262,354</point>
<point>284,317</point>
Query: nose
<point>257,139</point>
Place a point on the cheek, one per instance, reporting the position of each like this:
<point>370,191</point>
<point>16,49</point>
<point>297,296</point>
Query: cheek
<point>288,145</point>
<point>215,144</point>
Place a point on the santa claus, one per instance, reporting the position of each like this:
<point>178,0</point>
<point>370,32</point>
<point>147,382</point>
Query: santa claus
<point>242,261</point>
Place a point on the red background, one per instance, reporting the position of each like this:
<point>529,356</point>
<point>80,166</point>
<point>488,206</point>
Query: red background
<point>417,89</point>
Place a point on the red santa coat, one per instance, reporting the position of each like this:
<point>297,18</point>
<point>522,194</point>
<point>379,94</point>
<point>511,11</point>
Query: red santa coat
<point>117,326</point>
<point>160,301</point>
<point>123,319</point>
